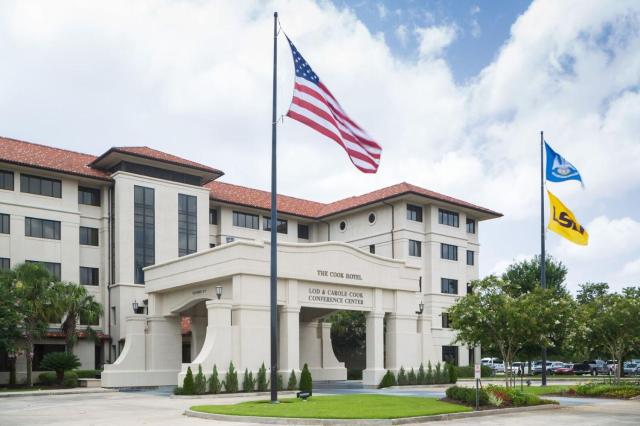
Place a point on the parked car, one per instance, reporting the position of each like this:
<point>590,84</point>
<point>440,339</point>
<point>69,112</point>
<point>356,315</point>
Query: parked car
<point>518,367</point>
<point>598,366</point>
<point>537,367</point>
<point>495,364</point>
<point>631,369</point>
<point>565,369</point>
<point>554,366</point>
<point>612,365</point>
<point>582,368</point>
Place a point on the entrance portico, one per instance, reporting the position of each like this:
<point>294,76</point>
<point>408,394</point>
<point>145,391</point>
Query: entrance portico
<point>314,280</point>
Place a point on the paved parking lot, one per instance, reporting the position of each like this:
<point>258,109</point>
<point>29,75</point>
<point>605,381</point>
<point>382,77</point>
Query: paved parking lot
<point>156,408</point>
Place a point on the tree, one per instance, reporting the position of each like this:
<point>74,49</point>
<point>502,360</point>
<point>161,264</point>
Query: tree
<point>293,381</point>
<point>188,385</point>
<point>610,324</point>
<point>74,301</point>
<point>11,318</point>
<point>348,337</point>
<point>524,276</point>
<point>263,383</point>
<point>214,381</point>
<point>60,362</point>
<point>306,382</point>
<point>35,289</point>
<point>590,291</point>
<point>199,382</point>
<point>231,379</point>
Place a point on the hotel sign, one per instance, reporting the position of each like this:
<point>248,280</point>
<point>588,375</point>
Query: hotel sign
<point>348,297</point>
<point>343,275</point>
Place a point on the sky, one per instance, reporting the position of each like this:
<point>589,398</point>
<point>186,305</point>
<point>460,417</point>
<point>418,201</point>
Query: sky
<point>455,92</point>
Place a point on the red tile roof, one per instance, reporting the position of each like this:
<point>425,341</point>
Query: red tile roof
<point>49,158</point>
<point>154,154</point>
<point>250,197</point>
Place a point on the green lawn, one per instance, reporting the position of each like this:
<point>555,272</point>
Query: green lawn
<point>339,407</point>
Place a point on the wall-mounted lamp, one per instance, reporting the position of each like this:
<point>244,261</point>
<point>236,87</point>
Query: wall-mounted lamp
<point>219,291</point>
<point>135,306</point>
<point>420,308</point>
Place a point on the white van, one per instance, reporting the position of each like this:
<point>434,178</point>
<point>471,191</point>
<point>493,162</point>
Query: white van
<point>495,364</point>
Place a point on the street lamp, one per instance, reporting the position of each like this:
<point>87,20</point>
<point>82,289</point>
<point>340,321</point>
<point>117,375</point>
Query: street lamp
<point>420,308</point>
<point>219,291</point>
<point>134,305</point>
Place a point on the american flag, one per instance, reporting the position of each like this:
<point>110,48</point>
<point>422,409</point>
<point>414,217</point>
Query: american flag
<point>314,105</point>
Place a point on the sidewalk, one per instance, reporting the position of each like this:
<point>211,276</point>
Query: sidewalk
<point>50,392</point>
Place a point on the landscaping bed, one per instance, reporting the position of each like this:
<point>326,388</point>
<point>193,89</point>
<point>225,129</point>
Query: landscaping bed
<point>339,407</point>
<point>492,397</point>
<point>602,390</point>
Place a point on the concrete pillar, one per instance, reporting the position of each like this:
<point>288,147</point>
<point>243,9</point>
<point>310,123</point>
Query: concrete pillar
<point>250,336</point>
<point>402,342</point>
<point>164,343</point>
<point>310,345</point>
<point>217,346</point>
<point>289,340</point>
<point>426,339</point>
<point>332,369</point>
<point>375,350</point>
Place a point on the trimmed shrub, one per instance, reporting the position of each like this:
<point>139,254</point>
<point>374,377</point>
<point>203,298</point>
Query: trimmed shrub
<point>402,377</point>
<point>429,376</point>
<point>306,382</point>
<point>293,381</point>
<point>88,374</point>
<point>422,376</point>
<point>214,381</point>
<point>248,382</point>
<point>387,380</point>
<point>437,375</point>
<point>467,395</point>
<point>70,379</point>
<point>60,362</point>
<point>453,376</point>
<point>624,390</point>
<point>411,377</point>
<point>262,382</point>
<point>467,372</point>
<point>512,397</point>
<point>199,382</point>
<point>188,386</point>
<point>48,378</point>
<point>280,382</point>
<point>231,379</point>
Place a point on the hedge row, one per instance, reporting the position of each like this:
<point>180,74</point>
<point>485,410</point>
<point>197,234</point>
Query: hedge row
<point>623,390</point>
<point>497,396</point>
<point>200,385</point>
<point>467,372</point>
<point>49,378</point>
<point>442,373</point>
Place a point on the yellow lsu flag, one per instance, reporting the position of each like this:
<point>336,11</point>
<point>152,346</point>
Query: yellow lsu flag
<point>564,223</point>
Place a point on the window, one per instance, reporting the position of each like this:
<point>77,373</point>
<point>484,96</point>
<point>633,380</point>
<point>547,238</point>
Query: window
<point>40,186</point>
<point>471,226</point>
<point>88,196</point>
<point>415,248</point>
<point>469,288</point>
<point>89,276</point>
<point>144,231</point>
<point>445,320</point>
<point>372,218</point>
<point>372,248</point>
<point>6,180</point>
<point>470,257</point>
<point>246,220</point>
<point>303,231</point>
<point>40,350</point>
<point>41,228</point>
<point>88,236</point>
<point>343,225</point>
<point>446,217</point>
<point>5,225</point>
<point>281,227</point>
<point>414,213</point>
<point>187,224</point>
<point>450,355</point>
<point>51,267</point>
<point>448,286</point>
<point>213,216</point>
<point>447,251</point>
<point>5,263</point>
<point>472,356</point>
<point>114,320</point>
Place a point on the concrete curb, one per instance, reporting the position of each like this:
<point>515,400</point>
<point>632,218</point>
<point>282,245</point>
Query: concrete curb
<point>54,392</point>
<point>367,422</point>
<point>231,395</point>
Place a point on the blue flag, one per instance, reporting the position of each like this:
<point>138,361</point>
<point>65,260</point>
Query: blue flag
<point>559,169</point>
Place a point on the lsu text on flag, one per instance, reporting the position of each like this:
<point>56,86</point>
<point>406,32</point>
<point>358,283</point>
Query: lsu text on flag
<point>314,105</point>
<point>564,223</point>
<point>559,169</point>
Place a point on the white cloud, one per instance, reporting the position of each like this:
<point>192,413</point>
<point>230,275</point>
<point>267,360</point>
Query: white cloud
<point>402,34</point>
<point>194,79</point>
<point>382,11</point>
<point>474,25</point>
<point>433,40</point>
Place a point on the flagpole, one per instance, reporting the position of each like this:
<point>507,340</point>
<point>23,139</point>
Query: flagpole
<point>543,263</point>
<point>274,226</point>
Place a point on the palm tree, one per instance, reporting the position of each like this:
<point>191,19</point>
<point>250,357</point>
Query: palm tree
<point>34,288</point>
<point>77,303</point>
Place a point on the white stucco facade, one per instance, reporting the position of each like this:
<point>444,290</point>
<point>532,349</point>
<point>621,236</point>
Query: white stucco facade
<point>354,258</point>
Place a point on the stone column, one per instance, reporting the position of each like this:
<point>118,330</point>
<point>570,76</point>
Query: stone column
<point>198,334</point>
<point>129,368</point>
<point>375,350</point>
<point>426,339</point>
<point>164,343</point>
<point>402,342</point>
<point>289,341</point>
<point>332,369</point>
<point>217,346</point>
